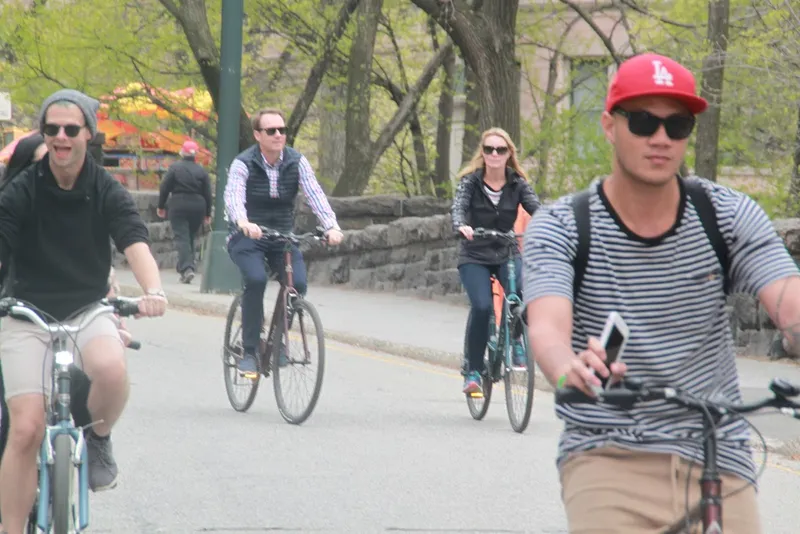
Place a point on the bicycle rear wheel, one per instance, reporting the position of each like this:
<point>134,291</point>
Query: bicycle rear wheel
<point>297,377</point>
<point>518,381</point>
<point>479,404</point>
<point>62,485</point>
<point>241,391</point>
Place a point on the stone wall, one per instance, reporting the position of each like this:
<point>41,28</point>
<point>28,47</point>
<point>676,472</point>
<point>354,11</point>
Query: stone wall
<point>406,246</point>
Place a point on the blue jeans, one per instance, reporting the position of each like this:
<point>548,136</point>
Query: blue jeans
<point>476,282</point>
<point>248,254</point>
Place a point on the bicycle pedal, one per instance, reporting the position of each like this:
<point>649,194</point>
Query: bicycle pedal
<point>476,395</point>
<point>248,374</point>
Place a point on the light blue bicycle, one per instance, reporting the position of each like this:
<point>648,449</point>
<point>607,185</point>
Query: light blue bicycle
<point>63,449</point>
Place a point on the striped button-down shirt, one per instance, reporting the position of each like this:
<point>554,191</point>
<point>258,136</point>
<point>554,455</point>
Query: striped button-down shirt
<point>236,188</point>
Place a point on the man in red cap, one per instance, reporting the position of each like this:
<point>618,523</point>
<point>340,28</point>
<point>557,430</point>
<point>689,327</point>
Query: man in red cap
<point>189,190</point>
<point>662,252</point>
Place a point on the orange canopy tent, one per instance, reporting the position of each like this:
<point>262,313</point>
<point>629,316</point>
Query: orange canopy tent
<point>120,133</point>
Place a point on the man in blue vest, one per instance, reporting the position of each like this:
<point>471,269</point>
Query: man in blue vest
<point>263,182</point>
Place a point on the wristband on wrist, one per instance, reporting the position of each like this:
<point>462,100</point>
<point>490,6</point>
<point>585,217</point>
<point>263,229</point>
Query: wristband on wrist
<point>156,293</point>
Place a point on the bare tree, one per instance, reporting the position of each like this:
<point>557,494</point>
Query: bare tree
<point>485,32</point>
<point>707,143</point>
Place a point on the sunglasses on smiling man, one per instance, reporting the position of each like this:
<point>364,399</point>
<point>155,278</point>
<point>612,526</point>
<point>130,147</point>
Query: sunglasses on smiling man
<point>645,124</point>
<point>72,130</point>
<point>271,131</point>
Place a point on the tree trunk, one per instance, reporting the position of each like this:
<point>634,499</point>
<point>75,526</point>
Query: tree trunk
<point>486,38</point>
<point>794,187</point>
<point>472,116</point>
<point>706,147</point>
<point>548,116</point>
<point>358,143</point>
<point>441,177</point>
<point>332,125</point>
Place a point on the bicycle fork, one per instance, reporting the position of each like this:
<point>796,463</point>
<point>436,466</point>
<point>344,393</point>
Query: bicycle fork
<point>62,424</point>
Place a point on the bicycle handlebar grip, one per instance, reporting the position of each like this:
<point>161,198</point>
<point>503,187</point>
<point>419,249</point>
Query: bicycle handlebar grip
<point>126,308</point>
<point>135,345</point>
<point>571,395</point>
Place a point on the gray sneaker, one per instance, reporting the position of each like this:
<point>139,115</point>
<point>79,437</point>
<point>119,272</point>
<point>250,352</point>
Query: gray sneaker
<point>103,470</point>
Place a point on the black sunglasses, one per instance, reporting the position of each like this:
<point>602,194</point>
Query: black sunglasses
<point>501,150</point>
<point>271,131</point>
<point>644,124</point>
<point>72,130</point>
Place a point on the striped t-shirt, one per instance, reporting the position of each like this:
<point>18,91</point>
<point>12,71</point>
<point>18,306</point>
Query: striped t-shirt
<point>669,291</point>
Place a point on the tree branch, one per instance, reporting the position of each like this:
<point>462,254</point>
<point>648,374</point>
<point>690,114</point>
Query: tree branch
<point>582,13</point>
<point>408,104</point>
<point>317,74</point>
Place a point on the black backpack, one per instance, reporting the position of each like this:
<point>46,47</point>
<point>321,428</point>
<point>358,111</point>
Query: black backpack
<point>705,210</point>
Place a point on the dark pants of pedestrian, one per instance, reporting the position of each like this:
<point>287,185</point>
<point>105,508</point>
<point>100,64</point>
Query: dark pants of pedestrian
<point>186,214</point>
<point>477,284</point>
<point>248,254</point>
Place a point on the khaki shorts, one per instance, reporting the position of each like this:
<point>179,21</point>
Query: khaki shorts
<point>612,490</point>
<point>26,355</point>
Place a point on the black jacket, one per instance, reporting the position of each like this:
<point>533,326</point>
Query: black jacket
<point>185,177</point>
<point>472,207</point>
<point>58,240</point>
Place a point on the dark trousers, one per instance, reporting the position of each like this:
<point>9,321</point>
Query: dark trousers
<point>186,214</point>
<point>476,282</point>
<point>249,254</point>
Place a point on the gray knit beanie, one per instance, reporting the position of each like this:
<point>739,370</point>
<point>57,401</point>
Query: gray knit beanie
<point>87,105</point>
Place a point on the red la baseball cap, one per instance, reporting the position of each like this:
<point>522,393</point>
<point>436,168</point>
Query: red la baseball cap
<point>189,147</point>
<point>654,75</point>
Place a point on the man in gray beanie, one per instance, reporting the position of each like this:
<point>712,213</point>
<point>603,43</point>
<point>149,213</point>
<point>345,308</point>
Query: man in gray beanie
<point>87,105</point>
<point>56,222</point>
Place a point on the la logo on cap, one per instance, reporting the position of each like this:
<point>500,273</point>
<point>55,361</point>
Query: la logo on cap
<point>661,76</point>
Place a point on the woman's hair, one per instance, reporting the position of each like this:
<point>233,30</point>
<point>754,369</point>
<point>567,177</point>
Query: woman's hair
<point>477,158</point>
<point>22,156</point>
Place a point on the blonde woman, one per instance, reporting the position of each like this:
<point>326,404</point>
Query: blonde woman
<point>492,187</point>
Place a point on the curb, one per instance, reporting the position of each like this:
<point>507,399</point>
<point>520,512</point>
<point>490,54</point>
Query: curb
<point>450,360</point>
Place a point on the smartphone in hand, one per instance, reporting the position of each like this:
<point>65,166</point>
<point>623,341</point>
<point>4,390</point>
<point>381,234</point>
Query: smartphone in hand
<point>614,338</point>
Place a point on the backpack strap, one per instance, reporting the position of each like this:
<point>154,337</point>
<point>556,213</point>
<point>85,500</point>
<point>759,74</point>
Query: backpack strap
<point>580,209</point>
<point>708,217</point>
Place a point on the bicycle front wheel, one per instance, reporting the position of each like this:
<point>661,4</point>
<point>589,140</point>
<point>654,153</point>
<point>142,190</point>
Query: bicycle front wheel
<point>518,379</point>
<point>298,363</point>
<point>62,484</point>
<point>479,404</point>
<point>241,391</point>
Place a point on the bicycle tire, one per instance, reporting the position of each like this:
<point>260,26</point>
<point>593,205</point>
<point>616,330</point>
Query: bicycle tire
<point>519,422</point>
<point>62,484</point>
<point>300,308</point>
<point>229,363</point>
<point>479,406</point>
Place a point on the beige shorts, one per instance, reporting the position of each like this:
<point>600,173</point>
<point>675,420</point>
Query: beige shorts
<point>27,357</point>
<point>625,492</point>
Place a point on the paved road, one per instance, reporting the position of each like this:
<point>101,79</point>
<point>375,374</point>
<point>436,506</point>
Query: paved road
<point>390,448</point>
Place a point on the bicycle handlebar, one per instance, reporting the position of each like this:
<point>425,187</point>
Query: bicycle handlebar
<point>633,391</point>
<point>485,233</point>
<point>317,235</point>
<point>122,306</point>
